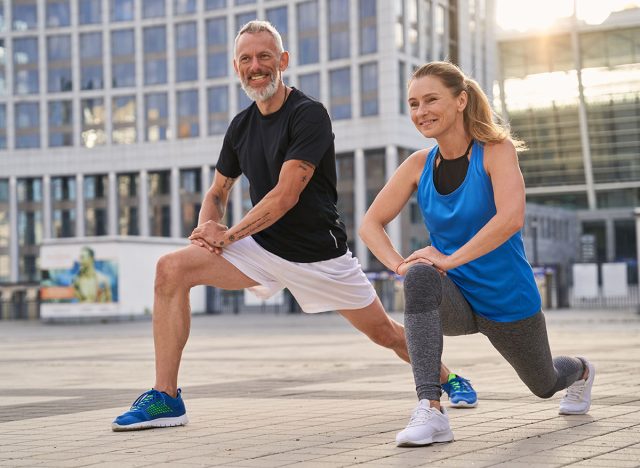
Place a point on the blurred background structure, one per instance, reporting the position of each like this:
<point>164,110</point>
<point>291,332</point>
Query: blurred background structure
<point>112,113</point>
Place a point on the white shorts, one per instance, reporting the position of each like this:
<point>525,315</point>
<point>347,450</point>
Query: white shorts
<point>336,284</point>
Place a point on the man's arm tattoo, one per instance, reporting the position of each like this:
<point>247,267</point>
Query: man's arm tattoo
<point>218,205</point>
<point>228,182</point>
<point>250,228</point>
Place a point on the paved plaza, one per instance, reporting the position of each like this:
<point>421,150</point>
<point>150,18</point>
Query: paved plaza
<point>265,390</point>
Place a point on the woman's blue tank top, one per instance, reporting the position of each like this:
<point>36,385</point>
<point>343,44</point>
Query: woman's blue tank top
<point>499,285</point>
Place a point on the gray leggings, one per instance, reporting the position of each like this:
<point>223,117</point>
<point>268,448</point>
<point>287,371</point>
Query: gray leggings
<point>435,306</point>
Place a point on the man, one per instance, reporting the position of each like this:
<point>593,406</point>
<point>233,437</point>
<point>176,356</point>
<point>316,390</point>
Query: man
<point>292,237</point>
<point>89,284</point>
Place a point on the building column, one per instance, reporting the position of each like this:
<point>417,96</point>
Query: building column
<point>610,241</point>
<point>175,203</point>
<point>582,114</point>
<point>391,164</point>
<point>637,214</point>
<point>80,227</point>
<point>47,212</point>
<point>359,205</point>
<point>13,230</point>
<point>112,205</point>
<point>143,197</point>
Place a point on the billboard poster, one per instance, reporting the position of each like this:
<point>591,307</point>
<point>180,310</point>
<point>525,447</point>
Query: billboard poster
<point>77,274</point>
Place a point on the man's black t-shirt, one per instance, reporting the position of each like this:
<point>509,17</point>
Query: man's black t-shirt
<point>257,145</point>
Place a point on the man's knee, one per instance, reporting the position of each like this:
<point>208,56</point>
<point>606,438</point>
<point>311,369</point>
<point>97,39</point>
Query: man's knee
<point>168,273</point>
<point>423,283</point>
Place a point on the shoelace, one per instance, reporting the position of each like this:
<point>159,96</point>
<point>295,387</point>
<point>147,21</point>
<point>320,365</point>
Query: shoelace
<point>144,399</point>
<point>460,384</point>
<point>574,392</point>
<point>421,415</point>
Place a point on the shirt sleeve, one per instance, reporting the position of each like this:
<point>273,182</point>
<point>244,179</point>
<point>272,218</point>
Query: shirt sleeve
<point>311,134</point>
<point>228,164</point>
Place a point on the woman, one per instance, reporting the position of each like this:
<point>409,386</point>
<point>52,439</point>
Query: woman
<point>475,276</point>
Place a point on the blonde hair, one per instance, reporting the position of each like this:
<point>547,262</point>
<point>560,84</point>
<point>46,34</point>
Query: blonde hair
<point>257,26</point>
<point>480,121</point>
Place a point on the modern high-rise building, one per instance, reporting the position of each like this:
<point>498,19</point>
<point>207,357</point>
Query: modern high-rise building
<point>573,94</point>
<point>112,112</point>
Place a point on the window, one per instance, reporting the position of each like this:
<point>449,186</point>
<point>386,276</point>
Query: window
<point>186,52</point>
<point>153,8</point>
<point>3,78</point>
<point>89,11</point>
<point>188,122</point>
<point>440,28</point>
<point>244,18</point>
<point>123,61</point>
<point>278,17</point>
<point>156,116</point>
<point>30,227</point>
<point>412,32</point>
<point>218,100</point>
<point>340,93</point>
<point>338,29</point>
<point>368,27</point>
<point>24,14</point>
<point>63,206</point>
<point>190,198</point>
<point>243,99</point>
<point>308,33</point>
<point>184,7</point>
<point>122,10</point>
<point>369,89</point>
<point>128,204</point>
<point>155,55</point>
<point>96,188</point>
<point>60,123</point>
<point>93,119</point>
<point>399,25</point>
<point>402,79</point>
<point>58,13</point>
<point>159,189</point>
<point>217,47</point>
<point>310,84</point>
<point>428,19</point>
<point>123,110</point>
<point>91,72</point>
<point>59,63</point>
<point>215,4</point>
<point>27,115</point>
<point>25,66</point>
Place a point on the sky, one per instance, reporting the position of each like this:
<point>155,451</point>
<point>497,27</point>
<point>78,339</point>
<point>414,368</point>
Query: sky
<point>524,15</point>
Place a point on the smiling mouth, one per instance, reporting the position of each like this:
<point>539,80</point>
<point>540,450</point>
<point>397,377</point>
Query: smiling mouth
<point>258,77</point>
<point>429,122</point>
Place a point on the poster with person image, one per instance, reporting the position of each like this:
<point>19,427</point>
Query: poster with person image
<point>86,278</point>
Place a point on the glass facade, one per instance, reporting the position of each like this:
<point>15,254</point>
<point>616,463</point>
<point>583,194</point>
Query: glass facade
<point>25,66</point>
<point>159,191</point>
<point>187,113</point>
<point>63,206</point>
<point>186,52</point>
<point>308,50</point>
<point>124,120</point>
<point>60,123</point>
<point>30,227</point>
<point>156,116</point>
<point>190,199</point>
<point>369,89</point>
<point>218,105</point>
<point>95,204</point>
<point>58,13</point>
<point>93,121</point>
<point>217,56</point>
<point>339,41</point>
<point>123,60</point>
<point>155,55</point>
<point>59,63</point>
<point>27,123</point>
<point>128,202</point>
<point>368,19</point>
<point>91,70</point>
<point>340,93</point>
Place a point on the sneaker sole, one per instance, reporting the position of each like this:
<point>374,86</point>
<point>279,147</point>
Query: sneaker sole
<point>161,422</point>
<point>463,404</point>
<point>592,376</point>
<point>440,437</point>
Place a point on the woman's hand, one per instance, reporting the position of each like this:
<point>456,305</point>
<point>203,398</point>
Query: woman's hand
<point>429,256</point>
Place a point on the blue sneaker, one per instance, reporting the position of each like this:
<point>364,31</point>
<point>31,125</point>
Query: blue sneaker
<point>152,409</point>
<point>461,393</point>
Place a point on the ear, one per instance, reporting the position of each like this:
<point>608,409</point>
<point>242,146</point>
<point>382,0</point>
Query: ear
<point>462,99</point>
<point>284,61</point>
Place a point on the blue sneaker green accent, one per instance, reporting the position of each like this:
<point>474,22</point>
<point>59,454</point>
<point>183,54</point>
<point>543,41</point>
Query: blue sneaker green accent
<point>152,409</point>
<point>461,393</point>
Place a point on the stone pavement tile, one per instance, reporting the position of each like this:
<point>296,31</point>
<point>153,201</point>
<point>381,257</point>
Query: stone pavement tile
<point>607,463</point>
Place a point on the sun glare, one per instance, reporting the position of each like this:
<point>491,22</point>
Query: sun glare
<point>523,15</point>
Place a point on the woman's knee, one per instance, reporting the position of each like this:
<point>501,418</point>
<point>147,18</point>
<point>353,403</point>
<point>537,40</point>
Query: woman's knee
<point>424,283</point>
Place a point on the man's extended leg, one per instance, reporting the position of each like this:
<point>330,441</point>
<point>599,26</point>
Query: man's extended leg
<point>374,322</point>
<point>176,274</point>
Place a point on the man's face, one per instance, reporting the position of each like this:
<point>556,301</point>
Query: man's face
<point>259,65</point>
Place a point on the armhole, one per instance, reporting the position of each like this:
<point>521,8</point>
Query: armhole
<point>429,160</point>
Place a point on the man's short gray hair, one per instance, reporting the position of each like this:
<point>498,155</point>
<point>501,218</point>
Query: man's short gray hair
<point>257,26</point>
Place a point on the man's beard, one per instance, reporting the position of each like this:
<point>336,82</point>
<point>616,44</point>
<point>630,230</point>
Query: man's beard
<point>264,94</point>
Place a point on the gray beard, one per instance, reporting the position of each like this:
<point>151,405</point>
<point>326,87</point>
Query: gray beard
<point>263,95</point>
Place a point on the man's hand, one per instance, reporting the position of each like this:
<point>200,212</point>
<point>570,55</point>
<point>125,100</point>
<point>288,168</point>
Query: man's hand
<point>429,256</point>
<point>210,235</point>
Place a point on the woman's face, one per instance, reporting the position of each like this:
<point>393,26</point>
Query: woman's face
<point>434,109</point>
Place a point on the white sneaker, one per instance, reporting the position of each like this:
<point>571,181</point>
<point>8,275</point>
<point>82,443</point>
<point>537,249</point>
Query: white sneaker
<point>577,400</point>
<point>426,426</point>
